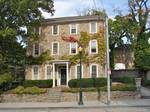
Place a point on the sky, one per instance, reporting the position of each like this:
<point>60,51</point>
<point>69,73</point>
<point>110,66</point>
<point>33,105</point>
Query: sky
<point>72,7</point>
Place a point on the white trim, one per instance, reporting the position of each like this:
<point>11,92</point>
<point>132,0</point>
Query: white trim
<point>76,26</point>
<point>57,30</point>
<point>40,30</point>
<point>90,30</point>
<point>53,75</point>
<point>91,70</point>
<point>67,73</point>
<point>70,48</point>
<point>46,71</point>
<point>33,72</point>
<point>58,48</point>
<point>33,52</point>
<point>91,47</point>
<point>76,70</point>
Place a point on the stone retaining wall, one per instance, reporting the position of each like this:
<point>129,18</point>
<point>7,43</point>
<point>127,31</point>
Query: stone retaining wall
<point>66,97</point>
<point>90,96</point>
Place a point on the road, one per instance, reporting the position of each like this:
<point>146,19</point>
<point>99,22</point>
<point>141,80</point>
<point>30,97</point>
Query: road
<point>114,109</point>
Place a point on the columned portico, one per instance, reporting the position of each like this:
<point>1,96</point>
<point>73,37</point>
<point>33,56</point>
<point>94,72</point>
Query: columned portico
<point>60,73</point>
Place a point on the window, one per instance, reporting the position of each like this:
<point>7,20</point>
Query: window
<point>93,47</point>
<point>73,48</point>
<point>94,70</point>
<point>73,28</point>
<point>55,30</point>
<point>35,72</point>
<point>93,27</point>
<point>48,71</point>
<point>55,48</point>
<point>36,49</point>
<point>78,71</point>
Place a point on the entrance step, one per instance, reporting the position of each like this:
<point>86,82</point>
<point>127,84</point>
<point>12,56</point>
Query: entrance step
<point>54,94</point>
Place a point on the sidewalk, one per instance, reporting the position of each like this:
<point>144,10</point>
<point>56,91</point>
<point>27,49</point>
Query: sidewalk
<point>87,104</point>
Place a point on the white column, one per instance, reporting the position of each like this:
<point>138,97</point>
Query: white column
<point>53,75</point>
<point>67,73</point>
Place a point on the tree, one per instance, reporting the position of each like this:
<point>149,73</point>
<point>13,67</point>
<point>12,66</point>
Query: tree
<point>139,15</point>
<point>17,15</point>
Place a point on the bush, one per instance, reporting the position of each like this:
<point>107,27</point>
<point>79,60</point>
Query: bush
<point>146,83</point>
<point>126,80</point>
<point>29,90</point>
<point>88,82</point>
<point>38,83</point>
<point>123,87</point>
<point>5,78</point>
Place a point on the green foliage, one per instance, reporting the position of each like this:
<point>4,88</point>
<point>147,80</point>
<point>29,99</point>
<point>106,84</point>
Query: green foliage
<point>5,78</point>
<point>88,82</point>
<point>16,15</point>
<point>123,87</point>
<point>29,90</point>
<point>39,60</point>
<point>142,53</point>
<point>118,87</point>
<point>38,83</point>
<point>125,80</point>
<point>146,83</point>
<point>84,42</point>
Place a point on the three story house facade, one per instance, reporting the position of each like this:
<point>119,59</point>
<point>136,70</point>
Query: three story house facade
<point>59,69</point>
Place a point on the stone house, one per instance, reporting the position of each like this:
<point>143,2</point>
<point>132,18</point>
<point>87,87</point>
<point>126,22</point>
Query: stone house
<point>60,69</point>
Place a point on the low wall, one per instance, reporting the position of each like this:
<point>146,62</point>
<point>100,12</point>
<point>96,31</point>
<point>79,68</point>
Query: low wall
<point>67,97</point>
<point>148,75</point>
<point>102,96</point>
<point>127,72</point>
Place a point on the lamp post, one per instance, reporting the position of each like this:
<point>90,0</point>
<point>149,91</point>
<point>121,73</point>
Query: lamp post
<point>80,91</point>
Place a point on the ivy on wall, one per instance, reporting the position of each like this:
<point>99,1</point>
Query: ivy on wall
<point>44,57</point>
<point>84,42</point>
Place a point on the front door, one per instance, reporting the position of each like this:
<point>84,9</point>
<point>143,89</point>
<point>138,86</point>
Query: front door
<point>63,76</point>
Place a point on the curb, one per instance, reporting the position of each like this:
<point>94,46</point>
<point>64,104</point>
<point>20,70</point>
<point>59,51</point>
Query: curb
<point>76,107</point>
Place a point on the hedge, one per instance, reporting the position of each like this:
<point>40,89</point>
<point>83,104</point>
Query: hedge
<point>29,90</point>
<point>5,78</point>
<point>146,83</point>
<point>38,83</point>
<point>126,80</point>
<point>88,82</point>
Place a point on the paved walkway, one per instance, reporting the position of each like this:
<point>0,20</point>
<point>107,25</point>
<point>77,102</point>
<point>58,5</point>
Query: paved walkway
<point>145,92</point>
<point>90,104</point>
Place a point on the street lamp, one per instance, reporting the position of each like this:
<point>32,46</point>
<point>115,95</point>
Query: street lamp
<point>80,91</point>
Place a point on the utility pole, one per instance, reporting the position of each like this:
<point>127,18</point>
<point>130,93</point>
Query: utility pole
<point>107,61</point>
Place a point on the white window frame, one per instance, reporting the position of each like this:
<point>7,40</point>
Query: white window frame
<point>46,71</point>
<point>34,50</point>
<point>33,72</point>
<point>76,70</point>
<point>57,30</point>
<point>40,30</point>
<point>76,48</point>
<point>53,49</point>
<point>90,26</point>
<point>91,47</point>
<point>91,69</point>
<point>71,28</point>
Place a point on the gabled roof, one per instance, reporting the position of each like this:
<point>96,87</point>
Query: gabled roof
<point>72,19</point>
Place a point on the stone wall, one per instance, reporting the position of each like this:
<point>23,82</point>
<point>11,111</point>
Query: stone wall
<point>102,96</point>
<point>69,97</point>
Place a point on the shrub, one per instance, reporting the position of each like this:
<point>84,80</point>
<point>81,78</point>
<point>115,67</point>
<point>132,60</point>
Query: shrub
<point>29,90</point>
<point>38,83</point>
<point>5,78</point>
<point>126,80</point>
<point>88,82</point>
<point>123,87</point>
<point>146,83</point>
